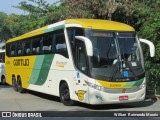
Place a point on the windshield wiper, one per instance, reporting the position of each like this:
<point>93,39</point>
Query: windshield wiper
<point>114,71</point>
<point>119,62</point>
<point>119,56</point>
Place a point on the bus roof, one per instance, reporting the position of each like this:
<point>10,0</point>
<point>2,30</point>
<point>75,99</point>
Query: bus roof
<point>100,24</point>
<point>84,23</point>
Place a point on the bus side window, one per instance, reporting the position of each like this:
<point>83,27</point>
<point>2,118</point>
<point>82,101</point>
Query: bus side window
<point>60,44</point>
<point>19,48</point>
<point>8,51</point>
<point>36,45</point>
<point>13,49</point>
<point>27,47</point>
<point>47,43</point>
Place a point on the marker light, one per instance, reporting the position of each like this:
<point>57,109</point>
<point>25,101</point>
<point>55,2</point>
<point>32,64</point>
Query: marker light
<point>142,85</point>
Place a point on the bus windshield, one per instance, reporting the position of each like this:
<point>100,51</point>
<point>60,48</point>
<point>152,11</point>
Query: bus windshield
<point>116,56</point>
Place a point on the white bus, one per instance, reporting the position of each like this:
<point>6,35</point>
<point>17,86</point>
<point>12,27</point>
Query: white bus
<point>86,60</point>
<point>2,66</point>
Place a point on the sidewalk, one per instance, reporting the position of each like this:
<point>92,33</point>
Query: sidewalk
<point>157,97</point>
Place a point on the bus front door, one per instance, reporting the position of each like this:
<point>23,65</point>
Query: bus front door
<point>80,76</point>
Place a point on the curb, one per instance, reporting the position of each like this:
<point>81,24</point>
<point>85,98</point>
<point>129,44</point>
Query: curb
<point>156,97</point>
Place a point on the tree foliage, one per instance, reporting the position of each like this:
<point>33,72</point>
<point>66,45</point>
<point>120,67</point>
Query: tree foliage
<point>100,9</point>
<point>40,7</point>
<point>4,30</point>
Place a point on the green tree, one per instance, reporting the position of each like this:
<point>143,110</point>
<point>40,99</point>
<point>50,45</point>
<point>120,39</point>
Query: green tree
<point>99,9</point>
<point>40,7</point>
<point>40,13</point>
<point>151,31</point>
<point>4,30</point>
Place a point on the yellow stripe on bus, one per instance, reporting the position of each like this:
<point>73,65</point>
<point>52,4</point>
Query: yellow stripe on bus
<point>117,85</point>
<point>112,84</point>
<point>100,24</point>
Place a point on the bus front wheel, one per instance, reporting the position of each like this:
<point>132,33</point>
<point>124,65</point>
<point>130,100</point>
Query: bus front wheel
<point>65,95</point>
<point>14,84</point>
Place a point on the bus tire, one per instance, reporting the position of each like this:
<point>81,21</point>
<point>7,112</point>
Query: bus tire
<point>14,84</point>
<point>3,80</point>
<point>19,86</point>
<point>65,95</point>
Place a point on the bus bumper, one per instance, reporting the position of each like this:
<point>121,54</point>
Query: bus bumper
<point>100,97</point>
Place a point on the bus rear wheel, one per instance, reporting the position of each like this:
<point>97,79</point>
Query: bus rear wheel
<point>14,84</point>
<point>65,95</point>
<point>19,86</point>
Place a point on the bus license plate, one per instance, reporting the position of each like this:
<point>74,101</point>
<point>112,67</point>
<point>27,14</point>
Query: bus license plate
<point>123,98</point>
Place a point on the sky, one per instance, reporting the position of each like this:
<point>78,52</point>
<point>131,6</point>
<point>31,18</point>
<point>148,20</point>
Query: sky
<point>6,6</point>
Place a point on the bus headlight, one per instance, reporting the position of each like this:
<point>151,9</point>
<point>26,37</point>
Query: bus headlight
<point>97,87</point>
<point>143,85</point>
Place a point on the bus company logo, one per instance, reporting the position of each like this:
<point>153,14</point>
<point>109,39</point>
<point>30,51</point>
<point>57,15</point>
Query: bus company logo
<point>115,85</point>
<point>60,64</point>
<point>80,94</point>
<point>21,62</point>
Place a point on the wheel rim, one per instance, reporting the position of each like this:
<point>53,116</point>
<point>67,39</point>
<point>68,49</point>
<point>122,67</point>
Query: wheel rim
<point>13,82</point>
<point>65,95</point>
<point>19,85</point>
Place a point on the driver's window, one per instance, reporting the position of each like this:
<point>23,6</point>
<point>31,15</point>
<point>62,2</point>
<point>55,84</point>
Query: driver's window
<point>81,57</point>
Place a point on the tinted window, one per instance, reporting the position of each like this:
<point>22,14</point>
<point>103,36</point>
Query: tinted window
<point>47,43</point>
<point>13,49</point>
<point>60,44</point>
<point>8,49</point>
<point>19,50</point>
<point>36,45</point>
<point>72,32</point>
<point>27,47</point>
<point>81,61</point>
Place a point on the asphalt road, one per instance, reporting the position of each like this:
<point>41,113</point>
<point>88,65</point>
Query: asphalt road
<point>38,102</point>
<point>34,101</point>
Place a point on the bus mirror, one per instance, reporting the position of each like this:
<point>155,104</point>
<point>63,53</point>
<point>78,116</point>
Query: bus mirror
<point>88,44</point>
<point>151,46</point>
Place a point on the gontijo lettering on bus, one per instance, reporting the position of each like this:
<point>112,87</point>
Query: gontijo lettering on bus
<point>21,62</point>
